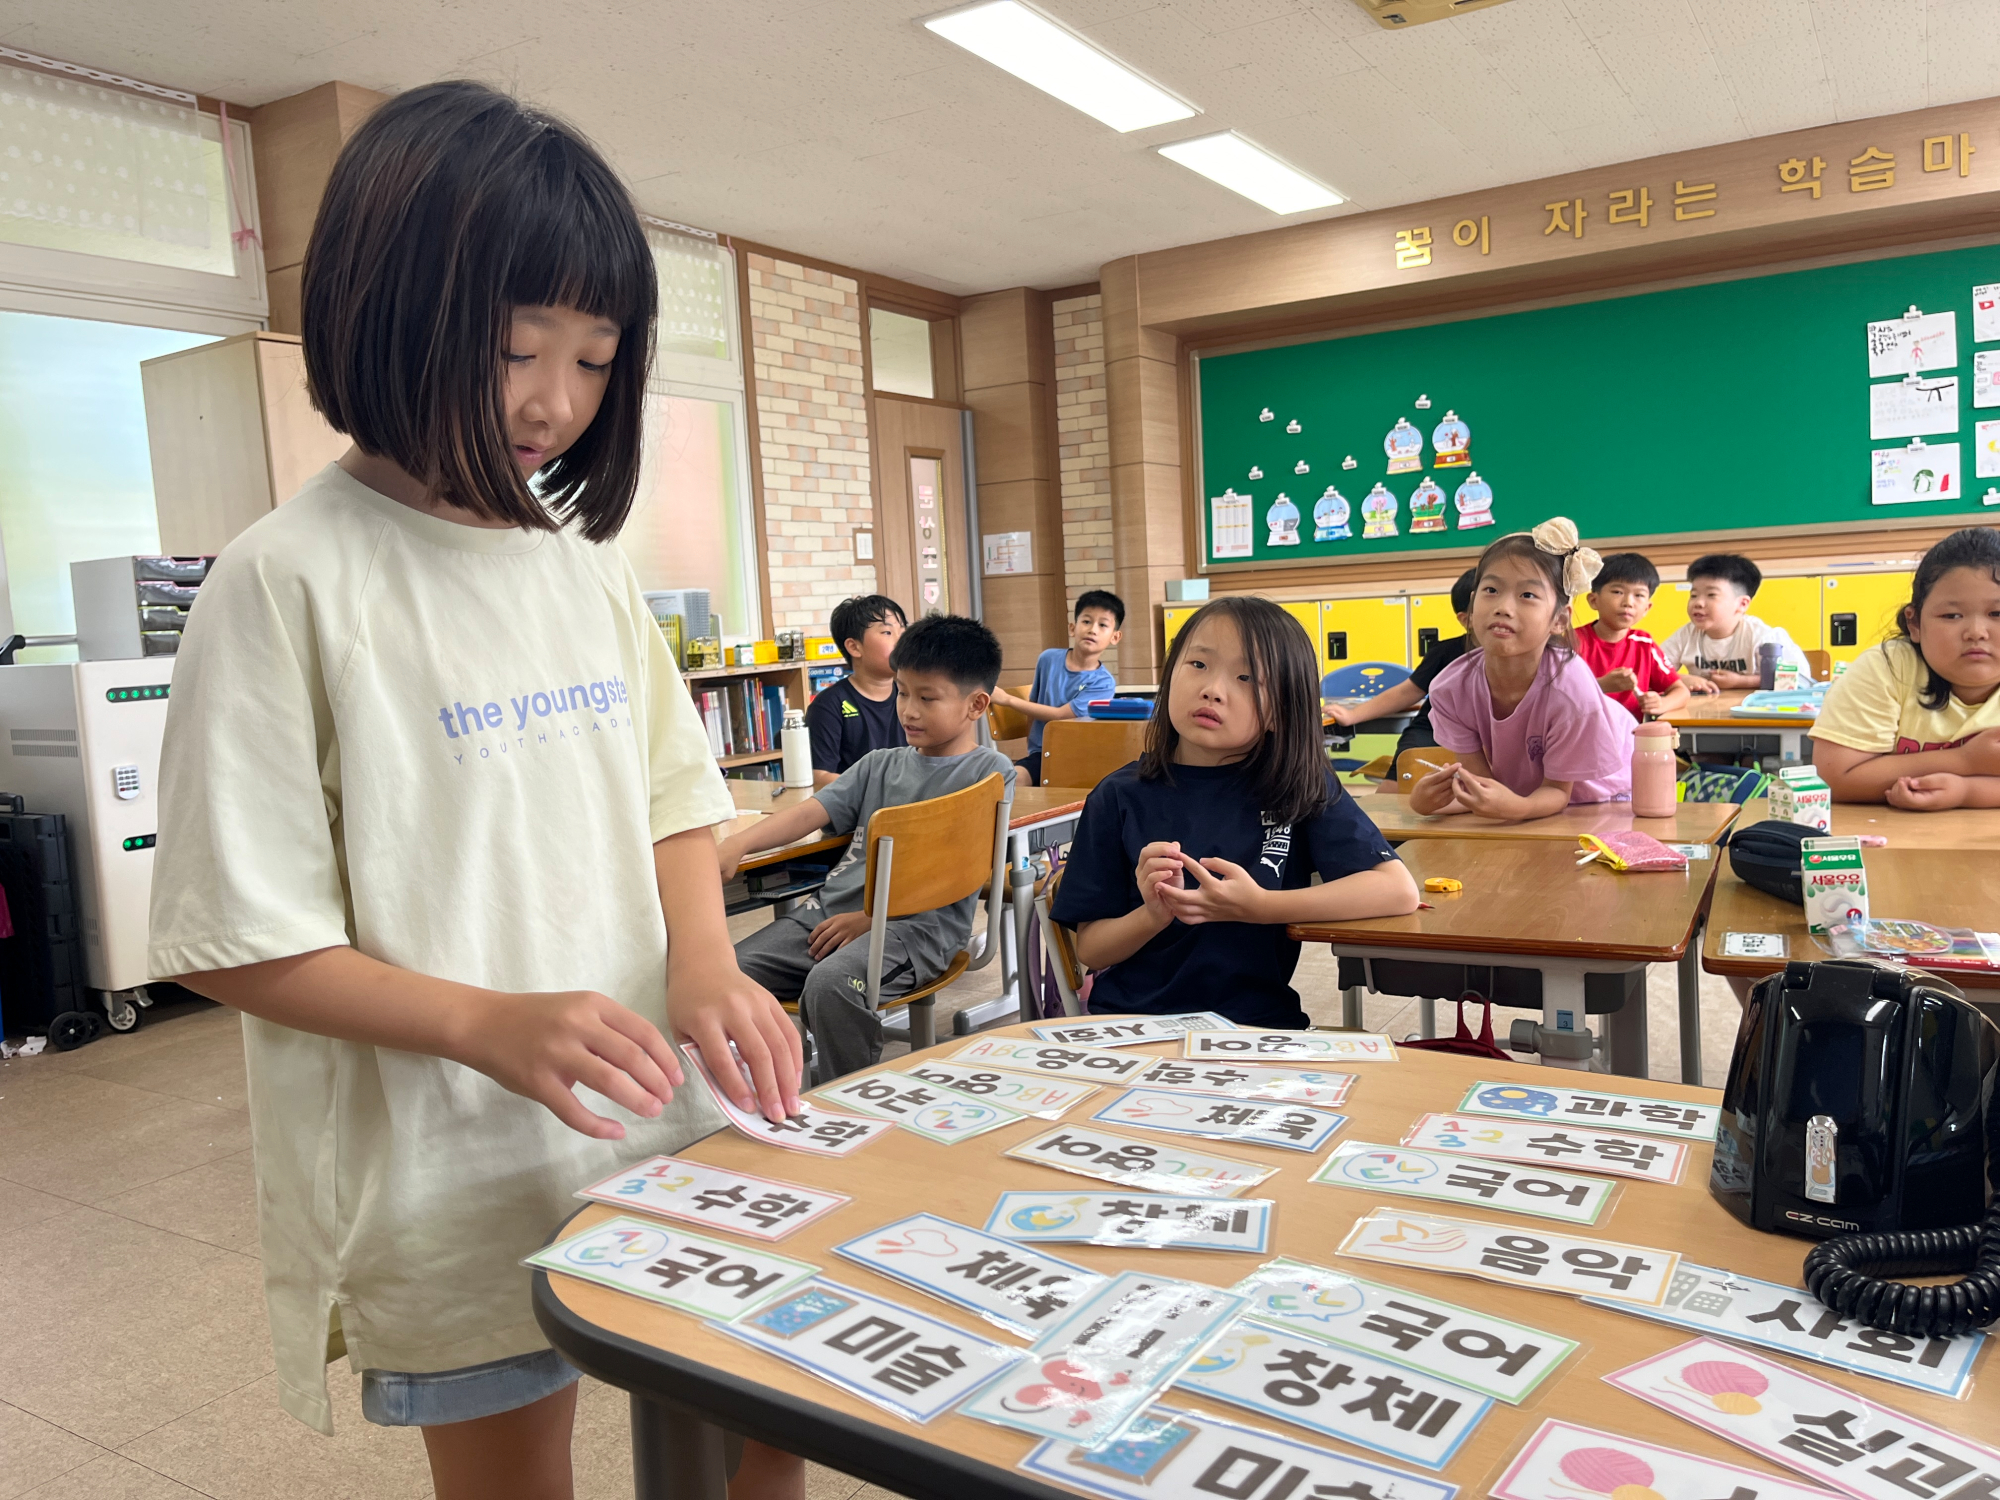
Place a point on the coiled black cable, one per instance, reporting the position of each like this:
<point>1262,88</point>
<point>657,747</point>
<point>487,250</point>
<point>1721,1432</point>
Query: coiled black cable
<point>1845,1274</point>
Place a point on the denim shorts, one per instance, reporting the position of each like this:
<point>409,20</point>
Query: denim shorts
<point>392,1399</point>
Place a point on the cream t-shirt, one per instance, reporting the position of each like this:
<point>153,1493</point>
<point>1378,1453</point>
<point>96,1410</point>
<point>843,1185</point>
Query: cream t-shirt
<point>451,748</point>
<point>1874,706</point>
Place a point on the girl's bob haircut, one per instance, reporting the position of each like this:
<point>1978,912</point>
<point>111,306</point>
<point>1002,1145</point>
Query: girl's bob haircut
<point>1975,547</point>
<point>1288,770</point>
<point>451,206</point>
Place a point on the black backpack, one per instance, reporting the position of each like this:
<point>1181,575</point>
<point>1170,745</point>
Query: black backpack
<point>1766,855</point>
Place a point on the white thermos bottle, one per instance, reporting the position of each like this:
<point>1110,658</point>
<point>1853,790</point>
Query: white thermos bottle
<point>798,749</point>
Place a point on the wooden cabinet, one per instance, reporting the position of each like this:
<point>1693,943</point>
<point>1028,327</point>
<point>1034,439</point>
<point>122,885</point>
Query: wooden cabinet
<point>232,436</point>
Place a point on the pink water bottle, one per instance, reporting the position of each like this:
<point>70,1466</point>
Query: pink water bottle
<point>1655,774</point>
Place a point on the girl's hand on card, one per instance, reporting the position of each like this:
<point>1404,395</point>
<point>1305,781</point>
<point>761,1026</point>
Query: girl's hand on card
<point>541,1046</point>
<point>712,1003</point>
<point>1222,892</point>
<point>1159,870</point>
<point>1934,793</point>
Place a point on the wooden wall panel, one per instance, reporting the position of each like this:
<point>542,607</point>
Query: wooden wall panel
<point>294,142</point>
<point>1142,390</point>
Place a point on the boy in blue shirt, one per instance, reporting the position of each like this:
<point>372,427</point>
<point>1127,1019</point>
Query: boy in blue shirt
<point>1067,680</point>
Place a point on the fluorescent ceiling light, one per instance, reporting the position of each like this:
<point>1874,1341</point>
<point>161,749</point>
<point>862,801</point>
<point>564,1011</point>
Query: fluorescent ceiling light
<point>1250,170</point>
<point>1036,50</point>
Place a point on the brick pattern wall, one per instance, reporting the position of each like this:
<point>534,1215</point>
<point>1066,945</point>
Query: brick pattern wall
<point>812,424</point>
<point>1083,438</point>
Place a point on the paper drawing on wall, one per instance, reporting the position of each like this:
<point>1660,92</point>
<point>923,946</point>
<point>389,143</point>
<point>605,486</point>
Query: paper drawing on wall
<point>1330,517</point>
<point>1293,426</point>
<point>1453,441</point>
<point>1283,519</point>
<point>1231,534</point>
<point>1264,415</point>
<point>1912,343</point>
<point>1474,502</point>
<point>1986,313</point>
<point>1378,511</point>
<point>1922,471</point>
<point>1427,507</point>
<point>1405,447</point>
<point>1302,467</point>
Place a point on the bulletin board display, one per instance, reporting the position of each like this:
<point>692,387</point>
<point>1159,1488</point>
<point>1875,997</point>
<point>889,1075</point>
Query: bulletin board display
<point>1738,406</point>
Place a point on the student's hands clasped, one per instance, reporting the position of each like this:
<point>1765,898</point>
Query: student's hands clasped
<point>1937,792</point>
<point>1222,892</point>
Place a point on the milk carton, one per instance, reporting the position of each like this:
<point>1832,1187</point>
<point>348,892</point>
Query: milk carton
<point>1787,678</point>
<point>1833,882</point>
<point>1799,796</point>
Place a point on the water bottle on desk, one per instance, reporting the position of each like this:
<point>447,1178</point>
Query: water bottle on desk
<point>1655,773</point>
<point>797,746</point>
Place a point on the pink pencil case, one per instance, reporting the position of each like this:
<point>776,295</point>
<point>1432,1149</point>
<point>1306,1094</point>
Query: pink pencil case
<point>1630,852</point>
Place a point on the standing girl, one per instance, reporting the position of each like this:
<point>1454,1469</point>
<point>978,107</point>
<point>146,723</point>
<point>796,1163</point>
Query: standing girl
<point>1915,722</point>
<point>1187,864</point>
<point>435,801</point>
<point>1532,729</point>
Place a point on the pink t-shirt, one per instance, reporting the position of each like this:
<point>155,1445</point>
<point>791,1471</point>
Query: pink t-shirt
<point>1564,730</point>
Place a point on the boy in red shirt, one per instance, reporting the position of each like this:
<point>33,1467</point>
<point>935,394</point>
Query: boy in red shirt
<point>1627,661</point>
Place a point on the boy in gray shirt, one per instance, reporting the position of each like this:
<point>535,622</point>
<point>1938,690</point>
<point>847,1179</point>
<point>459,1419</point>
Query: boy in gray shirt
<point>817,953</point>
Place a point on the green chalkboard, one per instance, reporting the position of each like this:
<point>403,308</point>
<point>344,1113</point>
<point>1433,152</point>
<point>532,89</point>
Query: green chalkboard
<point>1734,406</point>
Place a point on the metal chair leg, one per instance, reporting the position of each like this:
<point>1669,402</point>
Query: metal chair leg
<point>923,1024</point>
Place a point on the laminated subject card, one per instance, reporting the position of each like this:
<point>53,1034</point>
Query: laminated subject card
<point>1289,1127</point>
<point>1550,1145</point>
<point>1544,1260</point>
<point>821,1132</point>
<point>720,1197</point>
<point>881,1351</point>
<point>1823,1431</point>
<point>1250,1081</point>
<point>1631,1114</point>
<point>1287,1046</point>
<point>1023,1055</point>
<point>1790,1320</point>
<point>1044,1098</point>
<point>1293,1377</point>
<point>1024,1290</point>
<point>1476,1350</point>
<point>1563,1461</point>
<point>1129,1031</point>
<point>1109,1157</point>
<point>1448,1178</point>
<point>1147,1221</point>
<point>1093,1373</point>
<point>665,1264</point>
<point>929,1110</point>
<point>1170,1454</point>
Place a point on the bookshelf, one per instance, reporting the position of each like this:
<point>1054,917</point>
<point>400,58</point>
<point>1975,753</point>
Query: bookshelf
<point>749,739</point>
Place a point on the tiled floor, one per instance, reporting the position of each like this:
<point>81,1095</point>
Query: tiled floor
<point>134,1362</point>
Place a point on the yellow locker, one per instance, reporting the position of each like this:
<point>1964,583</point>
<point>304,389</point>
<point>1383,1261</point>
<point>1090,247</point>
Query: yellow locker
<point>1794,605</point>
<point>1358,630</point>
<point>1860,610</point>
<point>1431,621</point>
<point>1668,613</point>
<point>1307,614</point>
<point>1175,616</point>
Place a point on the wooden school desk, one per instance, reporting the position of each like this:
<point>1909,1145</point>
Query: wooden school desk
<point>1527,904</point>
<point>1951,889</point>
<point>682,1374</point>
<point>1707,725</point>
<point>1692,822</point>
<point>768,879</point>
<point>1960,829</point>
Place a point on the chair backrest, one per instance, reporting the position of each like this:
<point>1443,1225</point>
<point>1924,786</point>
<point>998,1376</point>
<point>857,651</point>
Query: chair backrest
<point>1412,764</point>
<point>1082,752</point>
<point>1362,679</point>
<point>1009,723</point>
<point>944,848</point>
<point>1060,943</point>
<point>1821,663</point>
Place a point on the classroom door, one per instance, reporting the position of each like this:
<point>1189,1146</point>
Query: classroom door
<point>922,559</point>
<point>1860,610</point>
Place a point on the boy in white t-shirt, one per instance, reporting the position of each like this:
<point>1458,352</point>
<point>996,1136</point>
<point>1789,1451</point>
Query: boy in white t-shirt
<point>1716,651</point>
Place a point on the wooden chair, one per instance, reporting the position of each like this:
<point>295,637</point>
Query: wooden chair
<point>924,855</point>
<point>1412,764</point>
<point>1010,723</point>
<point>1060,944</point>
<point>1082,752</point>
